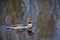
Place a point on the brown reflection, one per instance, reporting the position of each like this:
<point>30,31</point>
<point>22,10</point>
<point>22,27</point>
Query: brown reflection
<point>46,25</point>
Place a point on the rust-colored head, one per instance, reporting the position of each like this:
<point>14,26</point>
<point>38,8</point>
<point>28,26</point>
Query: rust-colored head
<point>29,20</point>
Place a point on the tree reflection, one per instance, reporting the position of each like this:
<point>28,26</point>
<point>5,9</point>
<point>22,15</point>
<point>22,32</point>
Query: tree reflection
<point>41,11</point>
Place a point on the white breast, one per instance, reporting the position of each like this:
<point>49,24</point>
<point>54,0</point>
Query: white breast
<point>29,25</point>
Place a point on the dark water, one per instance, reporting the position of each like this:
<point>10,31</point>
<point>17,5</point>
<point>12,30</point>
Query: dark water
<point>13,35</point>
<point>30,10</point>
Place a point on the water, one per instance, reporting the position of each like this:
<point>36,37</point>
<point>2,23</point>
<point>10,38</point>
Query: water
<point>14,35</point>
<point>17,35</point>
<point>37,7</point>
<point>57,35</point>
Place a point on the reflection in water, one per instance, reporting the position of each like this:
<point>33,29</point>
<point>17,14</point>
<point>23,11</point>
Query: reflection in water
<point>41,11</point>
<point>57,35</point>
<point>17,35</point>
